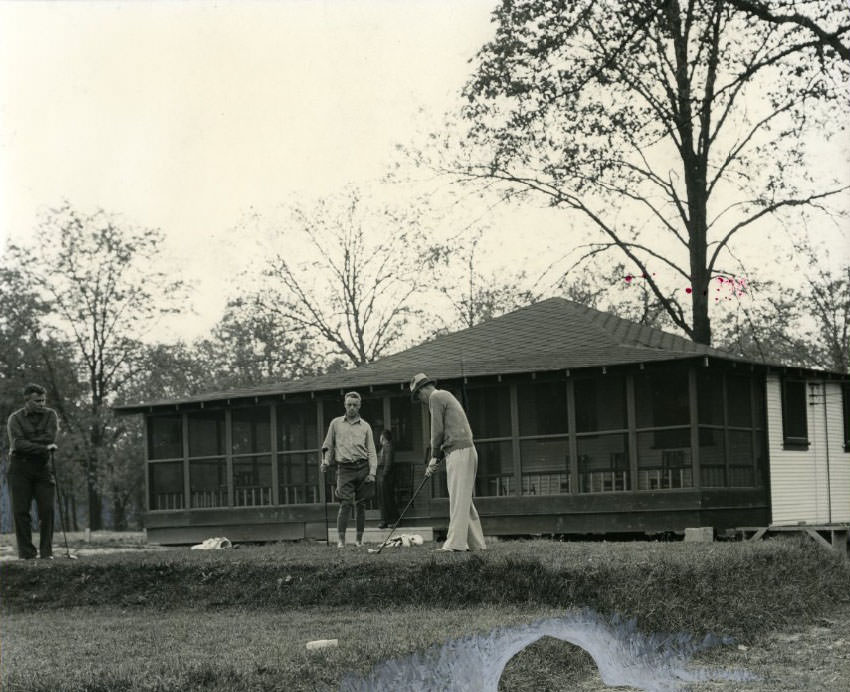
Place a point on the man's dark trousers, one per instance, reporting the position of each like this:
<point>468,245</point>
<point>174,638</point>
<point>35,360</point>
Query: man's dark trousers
<point>31,480</point>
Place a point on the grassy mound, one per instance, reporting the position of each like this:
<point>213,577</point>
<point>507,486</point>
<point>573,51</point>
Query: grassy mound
<point>729,588</point>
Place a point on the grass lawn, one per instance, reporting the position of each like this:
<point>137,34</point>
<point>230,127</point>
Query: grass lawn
<point>240,619</point>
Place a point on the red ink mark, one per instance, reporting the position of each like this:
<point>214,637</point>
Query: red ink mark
<point>689,290</point>
<point>629,277</point>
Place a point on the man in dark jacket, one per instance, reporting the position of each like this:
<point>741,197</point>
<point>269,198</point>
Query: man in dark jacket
<point>32,437</point>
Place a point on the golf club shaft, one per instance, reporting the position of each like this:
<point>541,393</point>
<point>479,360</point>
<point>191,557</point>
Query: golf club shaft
<point>59,497</point>
<point>409,503</point>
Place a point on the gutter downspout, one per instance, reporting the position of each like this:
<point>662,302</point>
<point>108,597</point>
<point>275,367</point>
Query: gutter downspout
<point>826,437</point>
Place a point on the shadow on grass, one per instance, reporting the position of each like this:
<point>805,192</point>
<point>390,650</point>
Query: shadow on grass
<point>623,655</point>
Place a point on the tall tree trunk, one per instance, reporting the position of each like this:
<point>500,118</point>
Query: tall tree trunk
<point>74,524</point>
<point>94,500</point>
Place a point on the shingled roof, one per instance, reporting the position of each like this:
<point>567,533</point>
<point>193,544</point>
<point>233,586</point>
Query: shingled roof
<point>554,334</point>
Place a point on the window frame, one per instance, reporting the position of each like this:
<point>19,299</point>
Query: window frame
<point>791,442</point>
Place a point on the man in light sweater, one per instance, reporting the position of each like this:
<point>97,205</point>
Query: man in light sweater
<point>451,436</point>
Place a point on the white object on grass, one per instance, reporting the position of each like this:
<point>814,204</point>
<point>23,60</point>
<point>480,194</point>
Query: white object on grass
<point>322,644</point>
<point>213,544</point>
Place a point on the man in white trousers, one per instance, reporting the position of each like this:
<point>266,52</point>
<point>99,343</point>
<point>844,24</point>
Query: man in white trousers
<point>451,436</point>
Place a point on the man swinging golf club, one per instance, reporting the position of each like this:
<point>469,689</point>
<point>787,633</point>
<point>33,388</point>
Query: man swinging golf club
<point>451,435</point>
<point>32,439</point>
<point>350,444</point>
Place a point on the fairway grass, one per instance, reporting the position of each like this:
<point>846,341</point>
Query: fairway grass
<point>240,619</point>
<point>235,650</point>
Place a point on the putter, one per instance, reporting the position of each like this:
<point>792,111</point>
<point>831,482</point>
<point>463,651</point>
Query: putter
<point>377,550</point>
<point>61,515</point>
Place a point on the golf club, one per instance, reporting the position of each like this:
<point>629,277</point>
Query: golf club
<point>401,516</point>
<point>61,515</point>
<point>326,478</point>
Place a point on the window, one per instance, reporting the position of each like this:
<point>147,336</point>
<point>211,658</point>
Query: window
<point>795,430</point>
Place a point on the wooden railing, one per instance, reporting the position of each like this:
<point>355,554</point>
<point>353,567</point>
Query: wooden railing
<point>603,481</point>
<point>167,501</point>
<point>545,483</point>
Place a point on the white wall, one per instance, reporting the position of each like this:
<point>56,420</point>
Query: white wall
<point>809,486</point>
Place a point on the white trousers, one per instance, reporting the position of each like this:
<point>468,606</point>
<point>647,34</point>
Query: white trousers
<point>465,532</point>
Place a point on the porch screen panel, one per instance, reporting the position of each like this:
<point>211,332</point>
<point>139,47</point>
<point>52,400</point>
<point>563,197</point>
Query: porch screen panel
<point>489,415</point>
<point>712,458</point>
<point>600,403</point>
<point>252,464</point>
<point>741,456</point>
<point>603,463</point>
<point>489,411</point>
<point>666,466</point>
<point>545,466</point>
<point>165,480</point>
<point>401,422</point>
<point>299,455</point>
<point>165,437</point>
<point>165,462</point>
<point>495,475</point>
<point>662,404</point>
<point>207,465</point>
<point>208,482</point>
<point>543,443</point>
<point>298,475</point>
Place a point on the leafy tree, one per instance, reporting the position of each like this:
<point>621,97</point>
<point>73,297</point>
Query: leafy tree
<point>358,268</point>
<point>824,24</point>
<point>104,295</point>
<point>252,345</point>
<point>32,352</point>
<point>653,122</point>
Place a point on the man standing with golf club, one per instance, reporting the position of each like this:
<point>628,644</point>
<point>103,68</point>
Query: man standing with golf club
<point>32,438</point>
<point>451,436</point>
<point>350,444</point>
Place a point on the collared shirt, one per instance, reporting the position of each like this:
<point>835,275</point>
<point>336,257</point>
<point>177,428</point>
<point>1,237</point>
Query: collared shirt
<point>351,441</point>
<point>31,431</point>
<point>449,425</point>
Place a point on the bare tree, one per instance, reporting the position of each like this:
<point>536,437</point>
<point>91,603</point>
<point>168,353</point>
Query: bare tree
<point>671,128</point>
<point>348,275</point>
<point>476,296</point>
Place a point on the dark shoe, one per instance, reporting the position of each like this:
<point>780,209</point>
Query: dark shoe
<point>382,525</point>
<point>45,557</point>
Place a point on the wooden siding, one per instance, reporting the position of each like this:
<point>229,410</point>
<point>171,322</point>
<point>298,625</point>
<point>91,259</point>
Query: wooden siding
<point>809,486</point>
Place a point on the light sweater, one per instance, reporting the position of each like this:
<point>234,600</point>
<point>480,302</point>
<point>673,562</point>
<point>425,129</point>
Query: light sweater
<point>449,426</point>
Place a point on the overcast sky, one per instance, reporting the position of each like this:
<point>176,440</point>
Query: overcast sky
<point>186,116</point>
